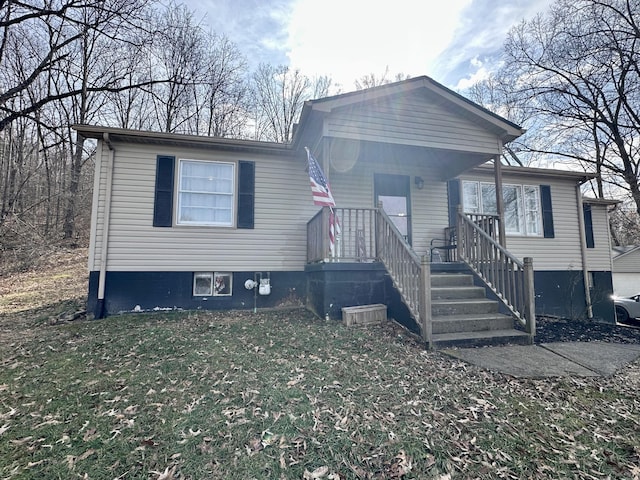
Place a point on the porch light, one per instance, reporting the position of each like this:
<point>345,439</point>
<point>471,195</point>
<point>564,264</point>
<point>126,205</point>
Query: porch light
<point>419,182</point>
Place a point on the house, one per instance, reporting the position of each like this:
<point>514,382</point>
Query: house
<point>193,222</point>
<point>626,270</point>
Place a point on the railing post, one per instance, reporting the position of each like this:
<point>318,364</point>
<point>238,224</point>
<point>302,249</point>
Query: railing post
<point>425,299</point>
<point>529,297</point>
<point>324,240</point>
<point>379,225</point>
<point>459,238</point>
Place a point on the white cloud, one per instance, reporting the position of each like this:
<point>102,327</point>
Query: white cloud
<point>348,39</point>
<point>456,43</point>
<point>481,73</point>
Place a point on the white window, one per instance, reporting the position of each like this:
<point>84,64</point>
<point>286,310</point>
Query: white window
<point>206,193</point>
<point>522,212</point>
<point>532,210</point>
<point>208,284</point>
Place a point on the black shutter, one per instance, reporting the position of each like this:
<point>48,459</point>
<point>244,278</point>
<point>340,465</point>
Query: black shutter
<point>453,194</point>
<point>246,194</point>
<point>547,211</point>
<point>163,202</point>
<point>588,225</point>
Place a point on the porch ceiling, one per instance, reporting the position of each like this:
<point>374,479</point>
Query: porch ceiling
<point>449,163</point>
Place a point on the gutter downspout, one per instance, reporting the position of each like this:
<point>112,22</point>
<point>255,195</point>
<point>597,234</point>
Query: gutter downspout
<point>99,313</point>
<point>583,251</point>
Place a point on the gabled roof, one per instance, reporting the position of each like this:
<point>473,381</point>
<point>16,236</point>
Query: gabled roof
<point>504,129</point>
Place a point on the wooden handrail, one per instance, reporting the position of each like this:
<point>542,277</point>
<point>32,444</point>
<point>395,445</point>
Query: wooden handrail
<point>410,274</point>
<point>510,279</point>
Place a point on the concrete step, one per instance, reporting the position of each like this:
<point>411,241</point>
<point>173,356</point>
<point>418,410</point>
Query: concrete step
<point>444,293</point>
<point>471,323</point>
<point>463,306</point>
<point>451,280</point>
<point>480,339</point>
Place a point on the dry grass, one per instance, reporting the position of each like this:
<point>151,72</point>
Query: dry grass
<point>60,276</point>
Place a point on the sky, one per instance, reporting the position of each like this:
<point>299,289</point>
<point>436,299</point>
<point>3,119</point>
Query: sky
<point>456,42</point>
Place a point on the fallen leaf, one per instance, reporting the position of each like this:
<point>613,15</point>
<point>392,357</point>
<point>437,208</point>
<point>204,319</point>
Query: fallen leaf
<point>317,473</point>
<point>168,474</point>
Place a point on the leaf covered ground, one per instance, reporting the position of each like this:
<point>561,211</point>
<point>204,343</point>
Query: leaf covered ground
<point>283,394</point>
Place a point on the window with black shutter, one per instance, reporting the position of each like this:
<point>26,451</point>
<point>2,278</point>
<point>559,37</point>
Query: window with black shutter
<point>163,201</point>
<point>588,226</point>
<point>246,194</point>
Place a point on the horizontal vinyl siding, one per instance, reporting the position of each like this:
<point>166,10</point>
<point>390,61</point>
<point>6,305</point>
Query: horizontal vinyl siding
<point>278,241</point>
<point>429,209</point>
<point>628,264</point>
<point>599,257</point>
<point>412,120</point>
<point>561,252</point>
<point>98,206</point>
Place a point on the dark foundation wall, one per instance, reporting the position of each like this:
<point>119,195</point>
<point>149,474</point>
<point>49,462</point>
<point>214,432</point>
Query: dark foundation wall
<point>147,291</point>
<point>325,289</point>
<point>332,286</point>
<point>561,294</point>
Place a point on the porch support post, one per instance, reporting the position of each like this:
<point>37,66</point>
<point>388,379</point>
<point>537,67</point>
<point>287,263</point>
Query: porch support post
<point>497,170</point>
<point>529,297</point>
<point>425,300</point>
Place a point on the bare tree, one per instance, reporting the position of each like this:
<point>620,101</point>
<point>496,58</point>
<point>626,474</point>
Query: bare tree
<point>279,95</point>
<point>58,59</point>
<point>36,40</point>
<point>576,71</point>
<point>373,80</point>
<point>222,98</point>
<point>177,54</point>
<point>206,92</point>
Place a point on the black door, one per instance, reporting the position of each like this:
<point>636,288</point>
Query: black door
<point>394,193</point>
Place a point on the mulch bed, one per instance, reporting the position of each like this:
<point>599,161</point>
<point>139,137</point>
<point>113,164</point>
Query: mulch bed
<point>561,330</point>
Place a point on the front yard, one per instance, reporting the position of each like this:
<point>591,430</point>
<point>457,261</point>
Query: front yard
<point>282,394</point>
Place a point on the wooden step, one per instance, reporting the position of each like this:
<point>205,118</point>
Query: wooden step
<point>479,339</point>
<point>444,293</point>
<point>471,323</point>
<point>451,280</point>
<point>463,306</point>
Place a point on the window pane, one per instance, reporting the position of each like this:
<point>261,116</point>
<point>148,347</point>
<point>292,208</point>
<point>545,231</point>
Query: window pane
<point>206,193</point>
<point>202,284</point>
<point>396,208</point>
<point>222,284</point>
<point>532,210</point>
<point>470,197</point>
<point>513,217</point>
<point>489,199</point>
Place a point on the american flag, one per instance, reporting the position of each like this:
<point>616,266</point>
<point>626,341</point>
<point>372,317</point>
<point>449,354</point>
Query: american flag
<point>322,196</point>
<point>319,185</point>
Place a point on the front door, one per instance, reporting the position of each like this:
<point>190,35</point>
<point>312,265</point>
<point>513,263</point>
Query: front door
<point>394,193</point>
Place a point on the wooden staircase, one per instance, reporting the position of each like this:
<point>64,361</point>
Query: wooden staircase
<point>462,315</point>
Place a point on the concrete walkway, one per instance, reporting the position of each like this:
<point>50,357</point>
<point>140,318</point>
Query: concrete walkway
<point>585,359</point>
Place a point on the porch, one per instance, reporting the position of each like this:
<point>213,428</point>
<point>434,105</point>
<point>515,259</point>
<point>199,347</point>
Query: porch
<point>480,294</point>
